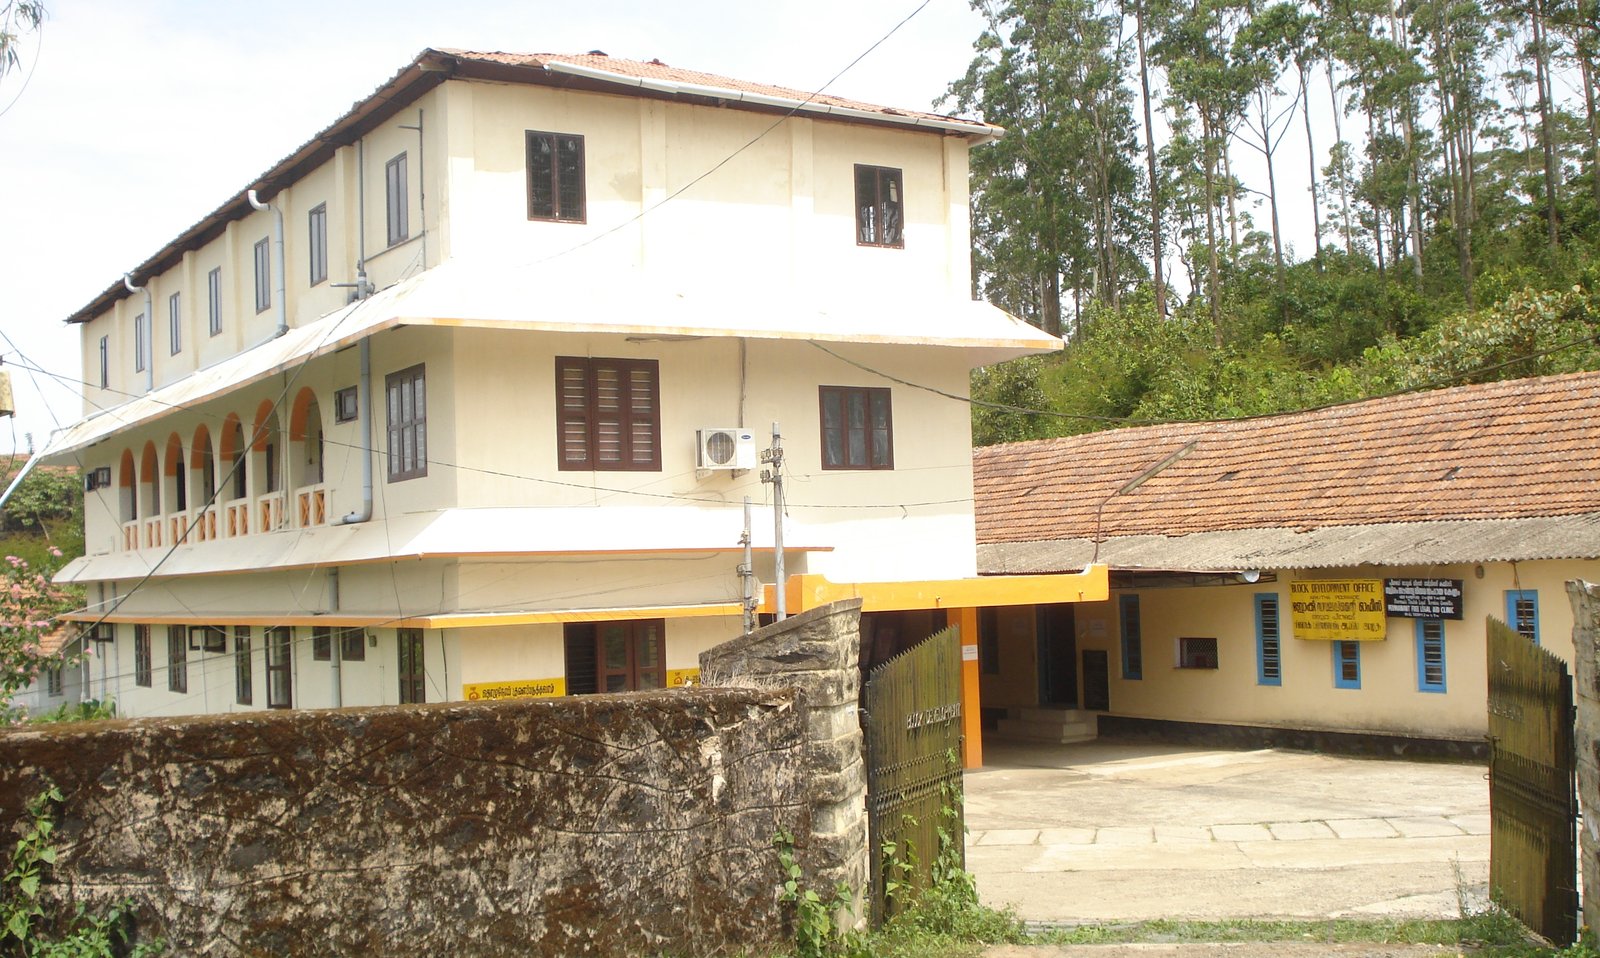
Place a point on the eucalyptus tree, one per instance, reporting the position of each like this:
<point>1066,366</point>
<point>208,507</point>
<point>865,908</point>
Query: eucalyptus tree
<point>1054,197</point>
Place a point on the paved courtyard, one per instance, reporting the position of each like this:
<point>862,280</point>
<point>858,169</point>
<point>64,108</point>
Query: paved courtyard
<point>1108,831</point>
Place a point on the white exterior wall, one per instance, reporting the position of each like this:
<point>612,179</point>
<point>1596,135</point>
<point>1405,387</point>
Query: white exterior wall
<point>775,223</point>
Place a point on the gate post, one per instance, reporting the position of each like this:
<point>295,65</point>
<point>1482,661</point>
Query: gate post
<point>966,622</point>
<point>818,652</point>
<point>1585,598</point>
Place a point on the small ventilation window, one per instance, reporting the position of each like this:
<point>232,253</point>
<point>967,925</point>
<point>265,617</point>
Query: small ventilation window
<point>1230,474</point>
<point>1450,473</point>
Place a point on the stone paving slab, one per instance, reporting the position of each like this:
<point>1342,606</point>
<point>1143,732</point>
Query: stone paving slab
<point>1067,836</point>
<point>1006,836</point>
<point>1363,828</point>
<point>1169,834</point>
<point>1428,827</point>
<point>1299,831</point>
<point>1241,833</point>
<point>1126,835</point>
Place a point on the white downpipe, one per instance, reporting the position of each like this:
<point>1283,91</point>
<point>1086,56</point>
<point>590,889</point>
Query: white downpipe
<point>149,356</point>
<point>280,299</point>
<point>365,399</point>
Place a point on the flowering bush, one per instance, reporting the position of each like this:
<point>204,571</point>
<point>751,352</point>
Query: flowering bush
<point>29,604</point>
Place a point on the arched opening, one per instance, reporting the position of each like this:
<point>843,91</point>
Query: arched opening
<point>202,468</point>
<point>174,489</point>
<point>150,481</point>
<point>236,482</point>
<point>305,439</point>
<point>127,488</point>
<point>266,451</point>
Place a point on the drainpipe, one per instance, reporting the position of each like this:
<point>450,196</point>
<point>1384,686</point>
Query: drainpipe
<point>149,332</point>
<point>365,396</point>
<point>336,638</point>
<point>278,284</point>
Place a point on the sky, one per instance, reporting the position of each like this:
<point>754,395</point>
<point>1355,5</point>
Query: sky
<point>138,118</point>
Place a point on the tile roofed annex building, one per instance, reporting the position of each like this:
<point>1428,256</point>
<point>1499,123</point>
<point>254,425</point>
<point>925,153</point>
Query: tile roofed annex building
<point>463,396</point>
<point>1494,487</point>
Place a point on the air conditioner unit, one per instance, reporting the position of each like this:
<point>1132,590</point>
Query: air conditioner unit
<point>723,447</point>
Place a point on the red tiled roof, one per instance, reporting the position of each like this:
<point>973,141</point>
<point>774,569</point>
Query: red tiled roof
<point>1514,449</point>
<point>656,70</point>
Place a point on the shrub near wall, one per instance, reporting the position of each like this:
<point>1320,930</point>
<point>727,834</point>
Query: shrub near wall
<point>607,825</point>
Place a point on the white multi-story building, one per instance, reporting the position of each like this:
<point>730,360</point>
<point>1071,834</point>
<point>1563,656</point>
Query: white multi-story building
<point>444,404</point>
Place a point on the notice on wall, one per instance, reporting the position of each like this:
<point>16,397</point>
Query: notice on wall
<point>1423,598</point>
<point>518,689</point>
<point>1338,610</point>
<point>682,678</point>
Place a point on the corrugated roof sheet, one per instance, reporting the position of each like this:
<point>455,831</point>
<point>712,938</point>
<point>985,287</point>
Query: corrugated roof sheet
<point>1518,449</point>
<point>1389,543</point>
<point>656,70</point>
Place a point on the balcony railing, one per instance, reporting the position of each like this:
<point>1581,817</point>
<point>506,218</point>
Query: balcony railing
<point>236,517</point>
<point>313,505</point>
<point>239,517</point>
<point>205,523</point>
<point>270,516</point>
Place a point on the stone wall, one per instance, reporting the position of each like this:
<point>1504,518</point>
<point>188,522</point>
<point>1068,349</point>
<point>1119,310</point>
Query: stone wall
<point>817,652</point>
<point>603,825</point>
<point>1585,598</point>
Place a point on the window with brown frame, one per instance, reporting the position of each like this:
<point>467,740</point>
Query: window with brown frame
<point>280,668</point>
<point>177,659</point>
<point>608,414</point>
<point>555,177</point>
<point>880,213</point>
<point>615,656</point>
<point>408,423</point>
<point>857,427</point>
<point>352,645</point>
<point>413,670</point>
<point>243,680</point>
<point>141,655</point>
<point>397,200</point>
<point>317,242</point>
<point>321,643</point>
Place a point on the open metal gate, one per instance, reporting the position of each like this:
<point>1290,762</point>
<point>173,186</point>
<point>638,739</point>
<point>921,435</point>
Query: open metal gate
<point>911,719</point>
<point>1533,806</point>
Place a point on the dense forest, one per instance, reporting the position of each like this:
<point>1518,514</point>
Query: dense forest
<point>1451,148</point>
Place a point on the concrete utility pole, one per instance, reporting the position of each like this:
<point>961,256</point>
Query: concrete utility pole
<point>774,456</point>
<point>747,573</point>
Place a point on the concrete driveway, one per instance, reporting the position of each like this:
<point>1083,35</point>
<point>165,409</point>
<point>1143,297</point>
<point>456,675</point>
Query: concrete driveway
<point>1104,831</point>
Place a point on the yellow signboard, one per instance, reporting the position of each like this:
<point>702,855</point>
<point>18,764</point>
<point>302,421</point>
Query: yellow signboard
<point>519,689</point>
<point>678,678</point>
<point>1338,610</point>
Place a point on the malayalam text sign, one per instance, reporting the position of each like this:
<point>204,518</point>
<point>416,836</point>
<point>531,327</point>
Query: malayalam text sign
<point>518,689</point>
<point>1338,610</point>
<point>1423,598</point>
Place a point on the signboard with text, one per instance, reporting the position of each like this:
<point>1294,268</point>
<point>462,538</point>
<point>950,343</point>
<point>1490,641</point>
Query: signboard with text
<point>518,689</point>
<point>1422,598</point>
<point>1338,610</point>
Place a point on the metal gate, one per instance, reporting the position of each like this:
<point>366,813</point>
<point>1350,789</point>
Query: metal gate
<point>1533,807</point>
<point>911,719</point>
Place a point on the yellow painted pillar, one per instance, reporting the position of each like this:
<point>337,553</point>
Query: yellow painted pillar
<point>966,621</point>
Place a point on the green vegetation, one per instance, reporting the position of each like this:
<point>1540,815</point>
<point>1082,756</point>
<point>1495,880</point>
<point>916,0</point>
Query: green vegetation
<point>1454,207</point>
<point>25,928</point>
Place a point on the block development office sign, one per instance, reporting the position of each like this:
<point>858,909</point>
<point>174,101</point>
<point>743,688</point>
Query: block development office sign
<point>1338,610</point>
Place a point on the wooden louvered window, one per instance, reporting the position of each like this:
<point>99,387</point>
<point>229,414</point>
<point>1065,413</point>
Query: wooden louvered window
<point>408,423</point>
<point>608,414</point>
<point>555,177</point>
